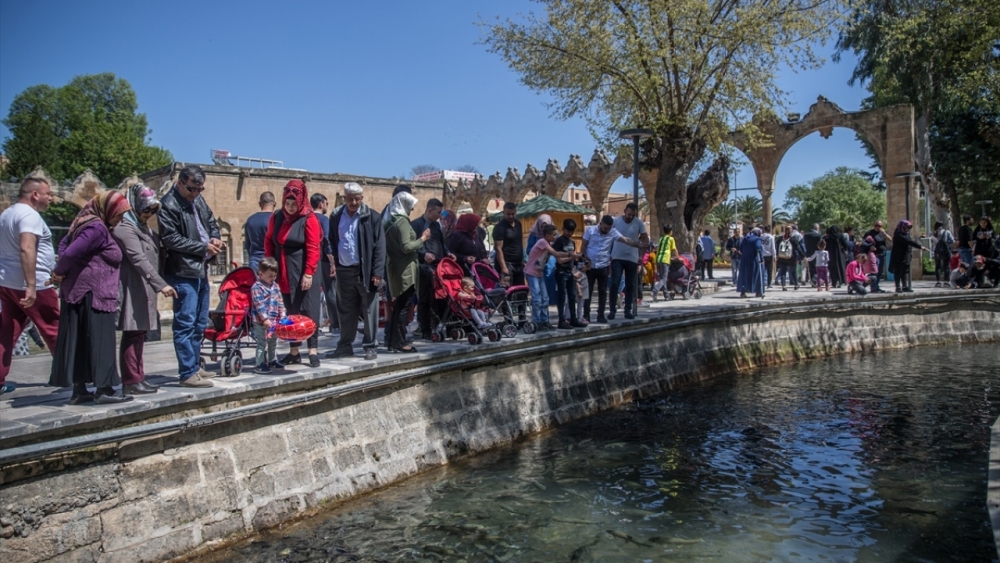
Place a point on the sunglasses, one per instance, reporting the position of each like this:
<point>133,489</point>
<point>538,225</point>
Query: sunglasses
<point>152,210</point>
<point>194,190</point>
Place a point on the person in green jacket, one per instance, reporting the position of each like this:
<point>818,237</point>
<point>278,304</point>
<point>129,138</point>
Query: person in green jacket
<point>664,252</point>
<point>401,246</point>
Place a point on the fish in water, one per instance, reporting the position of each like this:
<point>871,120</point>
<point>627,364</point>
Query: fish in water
<point>579,553</point>
<point>628,538</point>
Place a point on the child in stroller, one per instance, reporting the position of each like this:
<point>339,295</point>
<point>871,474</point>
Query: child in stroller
<point>471,303</point>
<point>681,279</point>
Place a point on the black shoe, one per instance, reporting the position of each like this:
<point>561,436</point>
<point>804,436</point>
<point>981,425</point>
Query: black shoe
<point>371,354</point>
<point>340,353</point>
<point>78,398</point>
<point>111,398</point>
<point>611,316</point>
<point>275,364</point>
<point>289,359</point>
<point>602,321</point>
<point>314,360</point>
<point>629,316</point>
<point>577,324</point>
<point>907,290</point>
<point>141,388</point>
<point>564,325</point>
<point>544,327</point>
<point>408,349</point>
<point>262,369</point>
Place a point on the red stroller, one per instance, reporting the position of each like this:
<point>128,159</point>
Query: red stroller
<point>511,302</point>
<point>231,323</point>
<point>456,321</point>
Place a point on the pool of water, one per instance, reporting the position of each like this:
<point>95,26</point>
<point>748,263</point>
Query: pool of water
<point>876,457</point>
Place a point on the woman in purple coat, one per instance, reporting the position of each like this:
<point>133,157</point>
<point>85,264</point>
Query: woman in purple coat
<point>87,274</point>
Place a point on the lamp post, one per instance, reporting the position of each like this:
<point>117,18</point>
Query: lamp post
<point>982,205</point>
<point>908,175</point>
<point>635,134</point>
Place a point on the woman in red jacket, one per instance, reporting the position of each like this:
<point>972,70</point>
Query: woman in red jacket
<point>293,239</point>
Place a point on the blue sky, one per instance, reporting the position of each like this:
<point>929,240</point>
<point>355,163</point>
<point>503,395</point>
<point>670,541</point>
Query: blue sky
<point>364,88</point>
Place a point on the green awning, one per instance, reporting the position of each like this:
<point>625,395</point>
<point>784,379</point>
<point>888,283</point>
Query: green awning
<point>543,204</point>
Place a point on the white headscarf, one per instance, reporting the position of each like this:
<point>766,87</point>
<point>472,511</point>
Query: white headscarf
<point>401,204</point>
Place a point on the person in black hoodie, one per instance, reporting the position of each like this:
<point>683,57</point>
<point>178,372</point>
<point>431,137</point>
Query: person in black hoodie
<point>901,257</point>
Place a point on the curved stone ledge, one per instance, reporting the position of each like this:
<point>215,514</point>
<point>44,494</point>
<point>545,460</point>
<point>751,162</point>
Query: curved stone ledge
<point>176,489</point>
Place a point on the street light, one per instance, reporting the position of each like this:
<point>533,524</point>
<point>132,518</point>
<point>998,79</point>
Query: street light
<point>635,135</point>
<point>982,205</point>
<point>908,175</point>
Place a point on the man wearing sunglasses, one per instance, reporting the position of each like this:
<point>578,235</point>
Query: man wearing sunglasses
<point>190,239</point>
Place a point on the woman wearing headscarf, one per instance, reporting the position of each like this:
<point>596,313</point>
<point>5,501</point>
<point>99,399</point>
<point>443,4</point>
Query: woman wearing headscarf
<point>293,237</point>
<point>140,282</point>
<point>88,259</point>
<point>401,246</point>
<point>751,272</point>
<point>448,221</point>
<point>464,243</point>
<point>836,249</point>
<point>536,231</point>
<point>901,257</point>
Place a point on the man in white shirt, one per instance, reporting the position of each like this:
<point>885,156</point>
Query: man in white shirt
<point>625,259</point>
<point>597,241</point>
<point>26,262</point>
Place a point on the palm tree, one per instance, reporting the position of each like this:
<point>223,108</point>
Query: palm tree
<point>750,210</point>
<point>722,216</point>
<point>780,217</point>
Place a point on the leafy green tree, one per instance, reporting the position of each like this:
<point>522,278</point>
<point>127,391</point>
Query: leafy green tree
<point>92,122</point>
<point>690,70</point>
<point>843,197</point>
<point>750,210</point>
<point>940,55</point>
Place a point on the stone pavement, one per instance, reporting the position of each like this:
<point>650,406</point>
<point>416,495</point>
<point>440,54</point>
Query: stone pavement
<point>35,408</point>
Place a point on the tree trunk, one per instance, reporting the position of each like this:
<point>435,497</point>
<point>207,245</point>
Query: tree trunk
<point>934,190</point>
<point>672,195</point>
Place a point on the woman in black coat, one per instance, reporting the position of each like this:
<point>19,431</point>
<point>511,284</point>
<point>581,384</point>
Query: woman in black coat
<point>464,242</point>
<point>901,257</point>
<point>835,247</point>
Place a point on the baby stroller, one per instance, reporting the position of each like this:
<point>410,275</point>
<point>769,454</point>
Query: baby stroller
<point>231,324</point>
<point>511,302</point>
<point>457,322</point>
<point>681,279</point>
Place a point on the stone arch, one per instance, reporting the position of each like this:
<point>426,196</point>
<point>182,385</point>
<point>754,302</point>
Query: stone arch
<point>890,131</point>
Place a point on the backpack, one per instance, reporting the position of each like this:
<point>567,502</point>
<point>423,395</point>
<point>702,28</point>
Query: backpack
<point>785,248</point>
<point>941,250</point>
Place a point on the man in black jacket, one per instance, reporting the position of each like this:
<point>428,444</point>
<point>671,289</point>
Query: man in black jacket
<point>429,254</point>
<point>881,239</point>
<point>190,239</point>
<point>811,241</point>
<point>357,243</point>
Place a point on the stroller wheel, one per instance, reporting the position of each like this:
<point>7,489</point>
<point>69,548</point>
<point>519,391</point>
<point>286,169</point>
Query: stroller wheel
<point>436,336</point>
<point>234,364</point>
<point>529,327</point>
<point>509,330</point>
<point>202,363</point>
<point>493,334</point>
<point>697,294</point>
<point>224,363</point>
<point>475,338</point>
<point>455,334</point>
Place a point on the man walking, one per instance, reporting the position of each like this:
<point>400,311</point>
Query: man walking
<point>509,245</point>
<point>733,248</point>
<point>625,258</point>
<point>965,241</point>
<point>319,205</point>
<point>190,239</point>
<point>707,254</point>
<point>26,262</point>
<point>255,229</point>
<point>358,246</point>
<point>597,241</point>
<point>429,254</point>
<point>811,240</point>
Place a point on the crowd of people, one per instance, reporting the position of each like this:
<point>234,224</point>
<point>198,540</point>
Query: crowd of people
<point>112,268</point>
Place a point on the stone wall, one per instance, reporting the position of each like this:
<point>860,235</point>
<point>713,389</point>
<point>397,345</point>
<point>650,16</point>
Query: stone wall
<point>154,498</point>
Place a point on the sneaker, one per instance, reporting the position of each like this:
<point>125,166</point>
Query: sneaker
<point>564,325</point>
<point>371,354</point>
<point>263,368</point>
<point>275,364</point>
<point>290,359</point>
<point>196,380</point>
<point>7,388</point>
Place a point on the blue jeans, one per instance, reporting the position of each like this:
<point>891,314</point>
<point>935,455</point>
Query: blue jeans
<point>965,255</point>
<point>628,269</point>
<point>539,299</point>
<point>190,320</point>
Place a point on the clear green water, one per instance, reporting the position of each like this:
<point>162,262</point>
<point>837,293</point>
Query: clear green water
<point>880,457</point>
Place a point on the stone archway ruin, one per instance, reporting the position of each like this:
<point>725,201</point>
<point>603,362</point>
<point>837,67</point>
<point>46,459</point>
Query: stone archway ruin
<point>890,131</point>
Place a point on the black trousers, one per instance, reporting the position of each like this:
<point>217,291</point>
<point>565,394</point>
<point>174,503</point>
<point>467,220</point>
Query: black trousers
<point>396,338</point>
<point>516,272</point>
<point>565,291</point>
<point>356,300</point>
<point>941,270</point>
<point>427,306</point>
<point>628,269</point>
<point>769,268</point>
<point>330,294</point>
<point>600,277</point>
<point>85,346</point>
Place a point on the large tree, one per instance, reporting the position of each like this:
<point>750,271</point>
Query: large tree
<point>92,122</point>
<point>690,70</point>
<point>843,197</point>
<point>942,56</point>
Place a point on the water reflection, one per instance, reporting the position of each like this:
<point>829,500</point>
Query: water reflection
<point>880,457</point>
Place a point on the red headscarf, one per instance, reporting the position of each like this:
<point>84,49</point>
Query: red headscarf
<point>102,207</point>
<point>468,223</point>
<point>296,189</point>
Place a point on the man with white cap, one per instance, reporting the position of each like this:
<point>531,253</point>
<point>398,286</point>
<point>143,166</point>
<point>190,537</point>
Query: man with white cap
<point>358,246</point>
